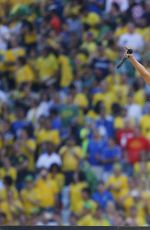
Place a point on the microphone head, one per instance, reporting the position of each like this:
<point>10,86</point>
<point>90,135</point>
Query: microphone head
<point>129,51</point>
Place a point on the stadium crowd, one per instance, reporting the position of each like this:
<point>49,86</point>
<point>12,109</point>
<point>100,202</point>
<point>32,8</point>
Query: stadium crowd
<point>74,130</point>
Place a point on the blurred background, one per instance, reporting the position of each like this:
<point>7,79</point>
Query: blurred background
<point>74,130</point>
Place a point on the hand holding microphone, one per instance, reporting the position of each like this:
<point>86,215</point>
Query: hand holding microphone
<point>127,54</point>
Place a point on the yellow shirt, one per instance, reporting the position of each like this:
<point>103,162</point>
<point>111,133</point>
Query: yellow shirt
<point>11,209</point>
<point>28,150</point>
<point>70,158</point>
<point>8,172</point>
<point>81,100</point>
<point>66,71</point>
<point>4,193</point>
<point>117,185</point>
<point>75,196</point>
<point>49,189</point>
<point>139,97</point>
<point>47,66</point>
<point>24,74</point>
<point>44,135</point>
<point>145,125</point>
<point>87,220</point>
<point>59,179</point>
<point>29,196</point>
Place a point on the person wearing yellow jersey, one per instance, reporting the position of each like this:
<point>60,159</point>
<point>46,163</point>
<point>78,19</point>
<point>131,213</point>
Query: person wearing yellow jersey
<point>71,155</point>
<point>145,124</point>
<point>56,175</point>
<point>30,196</point>
<point>117,182</point>
<point>8,170</point>
<point>8,196</point>
<point>46,134</point>
<point>66,72</point>
<point>24,73</point>
<point>8,187</point>
<point>47,65</point>
<point>49,189</point>
<point>27,147</point>
<point>75,192</point>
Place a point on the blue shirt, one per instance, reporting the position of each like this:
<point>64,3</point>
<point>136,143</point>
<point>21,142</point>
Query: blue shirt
<point>102,198</point>
<point>94,148</point>
<point>108,124</point>
<point>110,154</point>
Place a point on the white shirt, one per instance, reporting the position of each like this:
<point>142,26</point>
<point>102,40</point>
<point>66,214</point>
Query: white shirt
<point>135,41</point>
<point>134,111</point>
<point>46,160</point>
<point>123,4</point>
<point>4,37</point>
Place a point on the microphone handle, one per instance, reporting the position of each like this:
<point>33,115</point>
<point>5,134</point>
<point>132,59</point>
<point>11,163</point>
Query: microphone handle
<point>122,62</point>
<point>130,51</point>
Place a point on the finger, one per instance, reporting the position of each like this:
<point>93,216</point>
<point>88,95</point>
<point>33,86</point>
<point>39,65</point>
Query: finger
<point>126,48</point>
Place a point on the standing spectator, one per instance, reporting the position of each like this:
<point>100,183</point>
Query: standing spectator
<point>102,196</point>
<point>137,147</point>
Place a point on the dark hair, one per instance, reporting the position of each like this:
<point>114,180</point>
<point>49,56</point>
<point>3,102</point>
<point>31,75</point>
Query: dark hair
<point>8,180</point>
<point>22,60</point>
<point>87,190</point>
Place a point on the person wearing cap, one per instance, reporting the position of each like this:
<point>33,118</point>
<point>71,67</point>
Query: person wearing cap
<point>138,66</point>
<point>118,181</point>
<point>30,196</point>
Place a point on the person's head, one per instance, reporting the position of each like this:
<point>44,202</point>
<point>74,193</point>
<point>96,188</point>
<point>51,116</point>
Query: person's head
<point>43,173</point>
<point>117,169</point>
<point>101,187</point>
<point>71,142</point>
<point>8,181</point>
<point>96,135</point>
<point>111,142</point>
<point>54,169</point>
<point>7,163</point>
<point>86,194</point>
<point>20,113</point>
<point>115,8</point>
<point>137,132</point>
<point>29,181</point>
<point>50,147</point>
<point>2,218</point>
<point>23,134</point>
<point>21,61</point>
<point>131,27</point>
<point>78,177</point>
<point>110,208</point>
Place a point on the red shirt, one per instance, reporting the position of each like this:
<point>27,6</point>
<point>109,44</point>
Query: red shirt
<point>135,147</point>
<point>123,135</point>
<point>55,23</point>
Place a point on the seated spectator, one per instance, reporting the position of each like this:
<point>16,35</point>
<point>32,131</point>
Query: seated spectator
<point>49,188</point>
<point>137,147</point>
<point>48,157</point>
<point>102,196</point>
<point>76,188</point>
<point>117,182</point>
<point>71,155</point>
<point>94,149</point>
<point>30,196</point>
<point>109,156</point>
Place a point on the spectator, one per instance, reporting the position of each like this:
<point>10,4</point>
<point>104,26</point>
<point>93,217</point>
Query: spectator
<point>102,196</point>
<point>48,158</point>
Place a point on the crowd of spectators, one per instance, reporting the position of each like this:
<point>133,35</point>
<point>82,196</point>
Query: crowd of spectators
<point>74,130</point>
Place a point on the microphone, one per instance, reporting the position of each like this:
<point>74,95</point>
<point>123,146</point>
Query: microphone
<point>129,51</point>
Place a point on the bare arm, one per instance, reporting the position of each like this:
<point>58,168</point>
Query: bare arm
<point>140,68</point>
